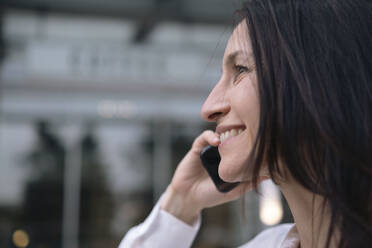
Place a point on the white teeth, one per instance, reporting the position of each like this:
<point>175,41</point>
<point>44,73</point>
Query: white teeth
<point>233,132</point>
<point>230,133</point>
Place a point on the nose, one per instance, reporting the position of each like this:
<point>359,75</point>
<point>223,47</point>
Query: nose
<point>216,105</point>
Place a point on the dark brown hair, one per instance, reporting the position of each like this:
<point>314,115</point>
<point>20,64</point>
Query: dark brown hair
<point>314,69</point>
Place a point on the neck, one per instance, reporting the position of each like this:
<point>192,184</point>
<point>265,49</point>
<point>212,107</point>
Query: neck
<point>306,207</point>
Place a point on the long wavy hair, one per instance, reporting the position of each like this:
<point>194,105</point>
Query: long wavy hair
<point>314,69</point>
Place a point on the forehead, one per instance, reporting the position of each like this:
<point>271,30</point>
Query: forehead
<point>239,40</point>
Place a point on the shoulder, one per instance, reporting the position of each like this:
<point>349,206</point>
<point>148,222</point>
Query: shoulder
<point>270,238</point>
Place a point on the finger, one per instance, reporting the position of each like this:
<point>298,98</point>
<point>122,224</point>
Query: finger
<point>208,137</point>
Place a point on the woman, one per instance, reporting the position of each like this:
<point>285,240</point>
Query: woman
<point>297,82</point>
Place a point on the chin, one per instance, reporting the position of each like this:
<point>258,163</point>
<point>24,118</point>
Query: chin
<point>233,170</point>
<point>230,175</point>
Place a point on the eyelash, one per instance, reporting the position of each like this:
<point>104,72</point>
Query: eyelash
<point>240,69</point>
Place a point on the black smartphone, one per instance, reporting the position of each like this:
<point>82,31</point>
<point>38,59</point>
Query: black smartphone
<point>210,158</point>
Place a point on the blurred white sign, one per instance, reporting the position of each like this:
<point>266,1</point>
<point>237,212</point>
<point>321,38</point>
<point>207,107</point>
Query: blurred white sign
<point>114,61</point>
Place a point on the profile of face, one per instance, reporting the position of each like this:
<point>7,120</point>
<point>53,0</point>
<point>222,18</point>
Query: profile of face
<point>234,105</point>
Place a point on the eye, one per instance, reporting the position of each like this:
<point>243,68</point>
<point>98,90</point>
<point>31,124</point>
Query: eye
<point>240,69</point>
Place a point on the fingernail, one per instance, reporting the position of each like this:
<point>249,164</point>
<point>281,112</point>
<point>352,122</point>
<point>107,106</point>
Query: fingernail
<point>215,139</point>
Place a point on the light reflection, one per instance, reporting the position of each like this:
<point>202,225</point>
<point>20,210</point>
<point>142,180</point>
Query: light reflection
<point>271,209</point>
<point>21,238</point>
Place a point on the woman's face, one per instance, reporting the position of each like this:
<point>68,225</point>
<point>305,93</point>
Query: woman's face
<point>233,104</point>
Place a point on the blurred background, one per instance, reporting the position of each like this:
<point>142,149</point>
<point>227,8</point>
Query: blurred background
<point>99,101</point>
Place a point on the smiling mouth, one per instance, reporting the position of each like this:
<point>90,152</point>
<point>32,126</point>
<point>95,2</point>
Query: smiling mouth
<point>230,133</point>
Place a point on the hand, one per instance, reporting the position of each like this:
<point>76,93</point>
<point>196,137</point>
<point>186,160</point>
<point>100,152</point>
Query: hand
<point>191,189</point>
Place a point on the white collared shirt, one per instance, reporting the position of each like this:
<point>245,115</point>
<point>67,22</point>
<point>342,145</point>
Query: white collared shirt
<point>161,229</point>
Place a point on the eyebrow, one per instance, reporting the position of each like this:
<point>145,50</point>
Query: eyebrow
<point>232,56</point>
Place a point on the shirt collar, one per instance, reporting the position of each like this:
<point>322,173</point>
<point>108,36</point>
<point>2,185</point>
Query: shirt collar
<point>292,239</point>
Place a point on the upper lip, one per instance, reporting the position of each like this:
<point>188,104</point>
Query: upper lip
<point>223,128</point>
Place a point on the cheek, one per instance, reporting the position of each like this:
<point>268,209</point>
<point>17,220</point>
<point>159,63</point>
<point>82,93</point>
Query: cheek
<point>233,169</point>
<point>246,102</point>
<point>234,164</point>
<point>248,111</point>
<point>234,159</point>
